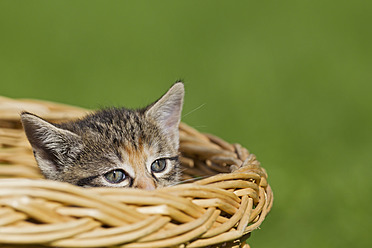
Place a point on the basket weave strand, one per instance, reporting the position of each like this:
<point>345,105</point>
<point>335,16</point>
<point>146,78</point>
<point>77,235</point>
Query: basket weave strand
<point>224,197</point>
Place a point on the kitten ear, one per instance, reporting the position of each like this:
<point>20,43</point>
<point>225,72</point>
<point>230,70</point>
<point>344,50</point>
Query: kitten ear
<point>167,110</point>
<point>54,147</point>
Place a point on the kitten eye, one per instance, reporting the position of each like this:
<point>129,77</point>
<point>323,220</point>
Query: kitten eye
<point>115,176</point>
<point>158,165</point>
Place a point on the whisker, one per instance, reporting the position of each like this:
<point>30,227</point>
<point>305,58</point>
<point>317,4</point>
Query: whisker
<point>200,126</point>
<point>189,180</point>
<point>193,110</point>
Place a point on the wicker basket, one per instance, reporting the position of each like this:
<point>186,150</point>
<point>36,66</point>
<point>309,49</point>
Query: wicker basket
<point>226,198</point>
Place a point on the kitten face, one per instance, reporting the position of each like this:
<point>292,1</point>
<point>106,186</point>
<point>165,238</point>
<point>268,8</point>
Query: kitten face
<point>112,147</point>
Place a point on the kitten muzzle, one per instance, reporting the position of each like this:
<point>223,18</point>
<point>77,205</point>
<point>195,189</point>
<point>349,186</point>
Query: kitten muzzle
<point>144,183</point>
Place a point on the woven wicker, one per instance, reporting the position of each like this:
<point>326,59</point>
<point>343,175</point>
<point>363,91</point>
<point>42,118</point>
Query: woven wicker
<point>226,197</point>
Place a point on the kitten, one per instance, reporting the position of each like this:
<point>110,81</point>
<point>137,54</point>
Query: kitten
<point>114,147</point>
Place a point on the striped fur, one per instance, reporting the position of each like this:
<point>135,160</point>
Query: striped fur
<point>83,151</point>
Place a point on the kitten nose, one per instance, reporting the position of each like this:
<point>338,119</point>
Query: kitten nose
<point>147,184</point>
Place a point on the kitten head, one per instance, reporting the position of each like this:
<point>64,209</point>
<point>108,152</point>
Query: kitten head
<point>113,147</point>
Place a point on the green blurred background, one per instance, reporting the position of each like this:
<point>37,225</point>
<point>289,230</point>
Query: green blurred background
<point>289,80</point>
